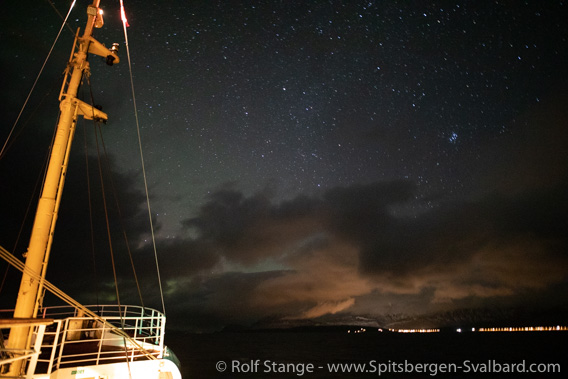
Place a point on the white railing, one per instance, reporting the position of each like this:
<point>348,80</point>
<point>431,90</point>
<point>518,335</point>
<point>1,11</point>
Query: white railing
<point>139,322</point>
<point>77,340</point>
<point>8,356</point>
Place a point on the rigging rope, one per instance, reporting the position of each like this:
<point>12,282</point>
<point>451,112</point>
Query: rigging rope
<point>60,16</point>
<point>11,259</point>
<point>2,151</point>
<point>106,217</point>
<point>13,137</point>
<point>124,26</point>
<point>120,218</point>
<point>27,212</point>
<point>90,201</point>
<point>98,132</point>
<point>39,184</point>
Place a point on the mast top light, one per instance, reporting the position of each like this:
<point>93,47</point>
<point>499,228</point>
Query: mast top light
<point>98,14</point>
<point>99,22</point>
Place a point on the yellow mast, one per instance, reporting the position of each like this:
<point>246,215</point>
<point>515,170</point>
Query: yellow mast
<point>46,214</point>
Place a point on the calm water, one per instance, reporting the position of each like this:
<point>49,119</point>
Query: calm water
<point>199,353</point>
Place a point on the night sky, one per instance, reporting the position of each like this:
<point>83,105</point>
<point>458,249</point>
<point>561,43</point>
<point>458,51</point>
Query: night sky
<point>308,159</point>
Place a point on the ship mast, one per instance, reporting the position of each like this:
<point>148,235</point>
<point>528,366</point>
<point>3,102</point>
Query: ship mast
<point>46,214</point>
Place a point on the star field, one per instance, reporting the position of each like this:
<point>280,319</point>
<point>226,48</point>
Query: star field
<point>323,94</point>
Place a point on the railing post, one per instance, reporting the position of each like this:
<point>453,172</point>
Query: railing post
<point>151,326</point>
<point>54,348</point>
<point>37,349</point>
<point>64,337</point>
<point>101,339</point>
<point>137,327</point>
<point>142,310</point>
<point>162,333</point>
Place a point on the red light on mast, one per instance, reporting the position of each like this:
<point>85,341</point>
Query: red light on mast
<point>123,14</point>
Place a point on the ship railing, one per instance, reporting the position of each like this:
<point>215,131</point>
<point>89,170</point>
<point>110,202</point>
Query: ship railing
<point>137,321</point>
<point>31,356</point>
<point>73,339</point>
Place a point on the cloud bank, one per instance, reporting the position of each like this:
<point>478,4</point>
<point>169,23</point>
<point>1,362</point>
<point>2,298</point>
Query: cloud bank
<point>312,256</point>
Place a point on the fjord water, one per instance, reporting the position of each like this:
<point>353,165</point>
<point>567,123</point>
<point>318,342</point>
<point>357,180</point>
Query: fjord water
<point>200,353</point>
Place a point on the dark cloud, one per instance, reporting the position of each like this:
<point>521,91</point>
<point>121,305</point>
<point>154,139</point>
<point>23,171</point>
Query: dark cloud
<point>251,257</point>
<point>318,255</point>
<point>247,230</point>
<point>360,212</point>
<point>217,300</point>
